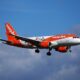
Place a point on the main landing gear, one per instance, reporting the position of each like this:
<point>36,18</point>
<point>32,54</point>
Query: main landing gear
<point>48,53</point>
<point>37,51</point>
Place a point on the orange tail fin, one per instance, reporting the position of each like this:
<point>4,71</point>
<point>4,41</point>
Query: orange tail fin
<point>10,30</point>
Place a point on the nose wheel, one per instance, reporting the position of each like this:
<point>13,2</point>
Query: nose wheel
<point>70,51</point>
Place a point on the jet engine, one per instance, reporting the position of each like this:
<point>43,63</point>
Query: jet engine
<point>62,49</point>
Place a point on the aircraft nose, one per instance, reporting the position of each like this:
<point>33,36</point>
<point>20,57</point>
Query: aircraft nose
<point>76,40</point>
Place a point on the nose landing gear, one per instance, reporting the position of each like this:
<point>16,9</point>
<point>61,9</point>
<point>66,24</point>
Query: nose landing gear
<point>70,50</point>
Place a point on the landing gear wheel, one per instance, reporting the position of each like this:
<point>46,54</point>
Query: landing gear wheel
<point>37,51</point>
<point>49,53</point>
<point>70,51</point>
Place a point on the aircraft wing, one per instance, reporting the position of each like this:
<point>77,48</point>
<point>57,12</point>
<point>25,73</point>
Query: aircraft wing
<point>34,42</point>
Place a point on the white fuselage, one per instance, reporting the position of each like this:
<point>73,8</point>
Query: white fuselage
<point>66,42</point>
<point>60,42</point>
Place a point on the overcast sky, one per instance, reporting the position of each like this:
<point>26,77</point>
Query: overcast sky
<point>36,18</point>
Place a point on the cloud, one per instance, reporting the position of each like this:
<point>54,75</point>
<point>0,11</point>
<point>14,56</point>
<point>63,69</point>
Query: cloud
<point>66,72</point>
<point>12,60</point>
<point>22,64</point>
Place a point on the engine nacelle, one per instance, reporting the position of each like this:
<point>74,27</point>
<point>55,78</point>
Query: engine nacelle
<point>62,49</point>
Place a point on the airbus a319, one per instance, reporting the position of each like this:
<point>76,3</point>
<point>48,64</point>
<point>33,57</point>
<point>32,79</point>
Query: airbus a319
<point>61,43</point>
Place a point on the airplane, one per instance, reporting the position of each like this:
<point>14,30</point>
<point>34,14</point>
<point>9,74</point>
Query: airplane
<point>61,42</point>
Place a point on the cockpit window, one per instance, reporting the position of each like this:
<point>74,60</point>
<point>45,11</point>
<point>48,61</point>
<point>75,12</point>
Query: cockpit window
<point>75,37</point>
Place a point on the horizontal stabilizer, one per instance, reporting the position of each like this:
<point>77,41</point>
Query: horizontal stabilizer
<point>5,41</point>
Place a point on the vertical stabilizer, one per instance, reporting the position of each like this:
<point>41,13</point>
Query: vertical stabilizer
<point>10,30</point>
